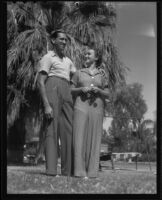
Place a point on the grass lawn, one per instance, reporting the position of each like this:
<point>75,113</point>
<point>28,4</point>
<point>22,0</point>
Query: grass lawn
<point>125,180</point>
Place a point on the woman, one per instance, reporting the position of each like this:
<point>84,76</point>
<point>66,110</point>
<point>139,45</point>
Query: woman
<point>89,88</point>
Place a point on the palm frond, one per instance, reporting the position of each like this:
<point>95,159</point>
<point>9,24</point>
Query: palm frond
<point>54,15</point>
<point>14,100</point>
<point>21,54</point>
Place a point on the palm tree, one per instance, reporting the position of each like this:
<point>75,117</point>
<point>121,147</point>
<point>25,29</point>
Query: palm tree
<point>146,134</point>
<point>29,26</point>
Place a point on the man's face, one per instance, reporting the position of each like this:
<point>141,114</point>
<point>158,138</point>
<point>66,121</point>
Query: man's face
<point>60,42</point>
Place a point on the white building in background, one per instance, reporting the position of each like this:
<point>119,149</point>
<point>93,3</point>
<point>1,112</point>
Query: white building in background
<point>125,156</point>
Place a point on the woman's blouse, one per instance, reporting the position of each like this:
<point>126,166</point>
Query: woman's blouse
<point>83,78</point>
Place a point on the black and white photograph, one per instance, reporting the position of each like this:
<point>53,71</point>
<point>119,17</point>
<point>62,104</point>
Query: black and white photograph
<point>81,97</point>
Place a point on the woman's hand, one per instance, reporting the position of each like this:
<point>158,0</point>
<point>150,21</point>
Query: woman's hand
<point>85,89</point>
<point>95,89</point>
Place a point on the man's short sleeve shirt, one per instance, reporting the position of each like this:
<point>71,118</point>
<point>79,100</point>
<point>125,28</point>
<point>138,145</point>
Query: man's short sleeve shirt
<point>54,66</point>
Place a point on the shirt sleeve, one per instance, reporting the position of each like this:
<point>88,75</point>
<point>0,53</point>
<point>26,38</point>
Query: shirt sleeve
<point>105,82</point>
<point>45,64</point>
<point>104,78</point>
<point>75,78</point>
<point>72,67</point>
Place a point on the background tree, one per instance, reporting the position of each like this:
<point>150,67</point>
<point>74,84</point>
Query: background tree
<point>128,105</point>
<point>147,139</point>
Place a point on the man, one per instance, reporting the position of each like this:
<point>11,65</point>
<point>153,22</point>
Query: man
<point>54,87</point>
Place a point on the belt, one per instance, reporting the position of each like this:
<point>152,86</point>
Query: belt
<point>62,78</point>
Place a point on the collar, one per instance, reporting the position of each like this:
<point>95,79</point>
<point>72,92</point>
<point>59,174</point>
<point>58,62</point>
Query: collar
<point>53,54</point>
<point>86,70</point>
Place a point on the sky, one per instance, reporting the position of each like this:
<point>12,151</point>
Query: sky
<point>136,42</point>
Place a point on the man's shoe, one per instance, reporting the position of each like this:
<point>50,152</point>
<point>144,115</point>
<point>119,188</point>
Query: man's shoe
<point>50,174</point>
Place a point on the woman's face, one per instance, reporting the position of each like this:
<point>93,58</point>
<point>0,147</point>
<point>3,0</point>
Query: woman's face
<point>90,57</point>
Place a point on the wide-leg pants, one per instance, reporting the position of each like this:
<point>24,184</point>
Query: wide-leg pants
<point>87,131</point>
<point>60,99</point>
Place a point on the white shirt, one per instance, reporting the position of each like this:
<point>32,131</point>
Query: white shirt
<point>54,66</point>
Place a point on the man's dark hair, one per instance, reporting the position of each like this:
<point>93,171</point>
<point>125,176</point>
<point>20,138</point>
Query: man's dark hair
<point>54,34</point>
